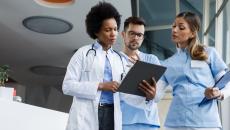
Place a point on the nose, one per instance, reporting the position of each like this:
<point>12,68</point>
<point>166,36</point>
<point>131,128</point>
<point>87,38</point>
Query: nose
<point>174,29</point>
<point>114,33</point>
<point>136,37</point>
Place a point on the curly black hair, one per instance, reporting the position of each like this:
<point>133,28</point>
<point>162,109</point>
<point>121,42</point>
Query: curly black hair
<point>96,16</point>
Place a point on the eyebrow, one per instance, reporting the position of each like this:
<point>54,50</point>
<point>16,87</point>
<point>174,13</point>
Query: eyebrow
<point>181,23</point>
<point>135,32</point>
<point>110,27</point>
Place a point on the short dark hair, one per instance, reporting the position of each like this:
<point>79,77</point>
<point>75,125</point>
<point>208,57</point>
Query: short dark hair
<point>99,13</point>
<point>133,20</point>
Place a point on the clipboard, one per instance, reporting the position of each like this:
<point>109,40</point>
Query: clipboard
<point>220,84</point>
<point>140,71</point>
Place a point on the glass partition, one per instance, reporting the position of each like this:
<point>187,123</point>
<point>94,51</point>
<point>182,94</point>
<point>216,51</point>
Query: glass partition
<point>151,11</point>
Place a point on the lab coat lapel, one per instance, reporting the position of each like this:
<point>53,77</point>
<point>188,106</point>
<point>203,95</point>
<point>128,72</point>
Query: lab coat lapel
<point>99,64</point>
<point>115,62</point>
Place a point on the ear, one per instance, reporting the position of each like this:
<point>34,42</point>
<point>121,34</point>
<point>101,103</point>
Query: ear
<point>193,35</point>
<point>123,34</point>
<point>96,34</point>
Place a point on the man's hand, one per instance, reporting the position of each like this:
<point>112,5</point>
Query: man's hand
<point>109,86</point>
<point>149,90</point>
<point>211,93</point>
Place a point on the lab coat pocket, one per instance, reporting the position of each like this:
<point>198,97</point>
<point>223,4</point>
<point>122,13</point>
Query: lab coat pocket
<point>84,113</point>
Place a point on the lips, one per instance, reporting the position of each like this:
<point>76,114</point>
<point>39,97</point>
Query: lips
<point>134,44</point>
<point>112,40</point>
<point>174,36</point>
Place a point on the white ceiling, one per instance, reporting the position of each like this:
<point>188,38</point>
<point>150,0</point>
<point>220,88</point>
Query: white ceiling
<point>21,48</point>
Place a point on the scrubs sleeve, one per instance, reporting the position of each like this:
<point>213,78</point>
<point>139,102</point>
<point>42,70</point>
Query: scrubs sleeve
<point>136,101</point>
<point>218,68</point>
<point>217,65</point>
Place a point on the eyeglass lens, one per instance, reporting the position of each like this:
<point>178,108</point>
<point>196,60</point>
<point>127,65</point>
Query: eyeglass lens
<point>133,34</point>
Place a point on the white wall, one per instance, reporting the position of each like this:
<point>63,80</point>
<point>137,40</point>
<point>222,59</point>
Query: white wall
<point>20,116</point>
<point>225,108</point>
<point>225,105</point>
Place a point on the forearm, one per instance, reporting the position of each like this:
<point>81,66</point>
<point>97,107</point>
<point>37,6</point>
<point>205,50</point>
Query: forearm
<point>160,91</point>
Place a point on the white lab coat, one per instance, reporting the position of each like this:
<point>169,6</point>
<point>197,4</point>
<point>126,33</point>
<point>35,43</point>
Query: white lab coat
<point>81,81</point>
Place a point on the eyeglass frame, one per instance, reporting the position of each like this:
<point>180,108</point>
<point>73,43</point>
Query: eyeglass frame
<point>132,34</point>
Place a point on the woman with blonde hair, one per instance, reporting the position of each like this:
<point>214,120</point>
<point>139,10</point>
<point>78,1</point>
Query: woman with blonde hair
<point>192,72</point>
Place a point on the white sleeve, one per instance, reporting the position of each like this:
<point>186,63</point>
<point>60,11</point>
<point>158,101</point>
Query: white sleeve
<point>160,92</point>
<point>140,102</point>
<point>74,83</point>
<point>226,90</point>
<point>136,101</point>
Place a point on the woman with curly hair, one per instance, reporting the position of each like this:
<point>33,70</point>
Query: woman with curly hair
<point>93,74</point>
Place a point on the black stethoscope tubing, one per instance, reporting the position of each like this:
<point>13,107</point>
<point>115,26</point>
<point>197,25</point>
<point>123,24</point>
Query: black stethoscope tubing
<point>95,53</point>
<point>91,49</point>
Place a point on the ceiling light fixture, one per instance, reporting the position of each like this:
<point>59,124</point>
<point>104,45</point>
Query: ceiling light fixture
<point>55,3</point>
<point>47,25</point>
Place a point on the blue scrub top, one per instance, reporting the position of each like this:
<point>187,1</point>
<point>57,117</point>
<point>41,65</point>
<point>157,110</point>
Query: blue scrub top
<point>107,96</point>
<point>134,118</point>
<point>189,79</point>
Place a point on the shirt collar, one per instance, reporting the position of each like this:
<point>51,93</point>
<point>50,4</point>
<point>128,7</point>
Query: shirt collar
<point>182,50</point>
<point>126,57</point>
<point>97,45</point>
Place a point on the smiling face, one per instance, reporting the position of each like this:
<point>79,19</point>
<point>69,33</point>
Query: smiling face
<point>107,34</point>
<point>133,36</point>
<point>181,32</point>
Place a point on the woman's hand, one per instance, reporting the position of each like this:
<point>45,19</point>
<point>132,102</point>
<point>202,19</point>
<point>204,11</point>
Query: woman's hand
<point>109,86</point>
<point>211,93</point>
<point>149,90</point>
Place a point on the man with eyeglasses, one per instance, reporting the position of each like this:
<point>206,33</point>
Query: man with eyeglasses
<point>138,117</point>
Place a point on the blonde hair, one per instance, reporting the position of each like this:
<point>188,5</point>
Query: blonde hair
<point>196,49</point>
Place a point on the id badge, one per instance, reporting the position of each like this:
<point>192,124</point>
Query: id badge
<point>198,64</point>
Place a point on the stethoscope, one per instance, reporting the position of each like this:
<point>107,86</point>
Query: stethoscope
<point>91,49</point>
<point>94,53</point>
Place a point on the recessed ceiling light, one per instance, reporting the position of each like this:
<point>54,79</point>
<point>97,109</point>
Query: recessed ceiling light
<point>47,25</point>
<point>58,1</point>
<point>55,3</point>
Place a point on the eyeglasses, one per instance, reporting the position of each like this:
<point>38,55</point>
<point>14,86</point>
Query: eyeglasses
<point>133,34</point>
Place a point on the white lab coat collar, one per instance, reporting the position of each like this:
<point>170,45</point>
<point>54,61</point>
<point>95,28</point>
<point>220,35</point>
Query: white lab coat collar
<point>98,46</point>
